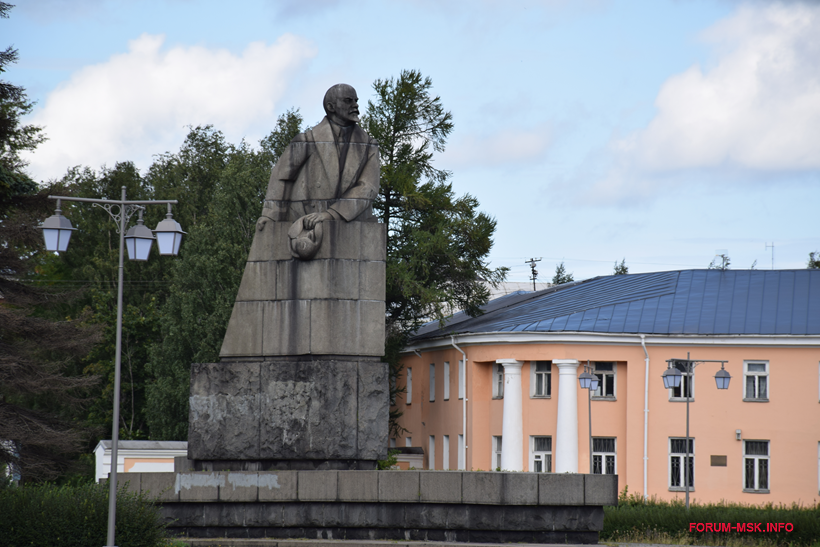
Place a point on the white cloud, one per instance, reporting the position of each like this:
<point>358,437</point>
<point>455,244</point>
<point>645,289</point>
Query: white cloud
<point>507,146</point>
<point>757,107</point>
<point>139,103</point>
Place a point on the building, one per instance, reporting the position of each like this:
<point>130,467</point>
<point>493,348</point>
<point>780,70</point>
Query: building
<point>501,391</point>
<point>138,457</point>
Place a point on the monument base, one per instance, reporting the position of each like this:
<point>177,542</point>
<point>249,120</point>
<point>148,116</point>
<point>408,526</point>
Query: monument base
<point>289,413</point>
<point>459,506</point>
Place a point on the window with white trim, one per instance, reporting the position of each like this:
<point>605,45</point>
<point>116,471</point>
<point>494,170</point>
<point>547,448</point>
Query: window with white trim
<point>432,382</point>
<point>540,378</point>
<point>541,454</point>
<point>498,381</point>
<point>677,463</point>
<point>756,381</point>
<point>603,456</point>
<point>431,452</point>
<point>496,455</point>
<point>756,466</point>
<point>686,387</point>
<point>606,380</point>
<point>461,379</point>
<point>408,441</point>
<point>392,443</point>
<point>445,452</point>
<point>446,380</point>
<point>409,387</point>
<point>461,464</point>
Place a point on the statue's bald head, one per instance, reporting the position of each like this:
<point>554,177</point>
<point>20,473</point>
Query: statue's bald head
<point>342,104</point>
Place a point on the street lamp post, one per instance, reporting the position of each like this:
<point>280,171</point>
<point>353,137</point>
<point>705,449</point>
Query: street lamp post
<point>139,239</point>
<point>589,382</point>
<point>672,379</point>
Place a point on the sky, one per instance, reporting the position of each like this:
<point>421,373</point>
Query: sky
<point>659,132</point>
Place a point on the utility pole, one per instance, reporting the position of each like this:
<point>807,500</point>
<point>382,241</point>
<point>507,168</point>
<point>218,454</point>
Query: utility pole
<point>772,247</point>
<point>532,262</point>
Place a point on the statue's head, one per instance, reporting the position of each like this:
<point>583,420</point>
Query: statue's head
<point>342,104</point>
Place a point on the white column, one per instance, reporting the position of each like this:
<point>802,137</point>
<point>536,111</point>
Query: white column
<point>512,424</point>
<point>566,432</point>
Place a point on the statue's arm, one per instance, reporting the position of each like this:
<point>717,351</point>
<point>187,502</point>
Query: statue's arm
<point>282,177</point>
<point>362,193</point>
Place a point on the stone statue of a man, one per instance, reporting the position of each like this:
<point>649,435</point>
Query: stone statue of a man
<point>330,172</point>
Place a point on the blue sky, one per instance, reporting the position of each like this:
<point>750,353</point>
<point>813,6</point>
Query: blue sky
<point>592,130</point>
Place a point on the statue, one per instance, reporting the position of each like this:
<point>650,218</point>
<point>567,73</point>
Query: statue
<point>300,384</point>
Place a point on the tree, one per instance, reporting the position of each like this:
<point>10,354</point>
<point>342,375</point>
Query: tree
<point>561,276</point>
<point>437,243</point>
<point>720,262</point>
<point>620,269</point>
<point>814,261</point>
<point>204,280</point>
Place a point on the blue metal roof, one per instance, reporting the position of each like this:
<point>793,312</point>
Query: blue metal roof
<point>704,302</point>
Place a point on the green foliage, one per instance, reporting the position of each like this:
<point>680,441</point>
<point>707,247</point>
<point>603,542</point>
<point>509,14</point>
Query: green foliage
<point>814,261</point>
<point>388,463</point>
<point>720,262</point>
<point>76,516</point>
<point>639,520</point>
<point>561,275</point>
<point>205,278</point>
<point>620,269</point>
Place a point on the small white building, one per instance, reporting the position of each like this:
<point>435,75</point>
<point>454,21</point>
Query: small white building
<point>138,457</point>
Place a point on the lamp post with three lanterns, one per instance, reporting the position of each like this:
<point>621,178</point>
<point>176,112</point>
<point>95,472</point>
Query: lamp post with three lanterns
<point>138,240</point>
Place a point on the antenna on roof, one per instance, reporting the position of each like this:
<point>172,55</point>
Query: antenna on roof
<point>772,246</point>
<point>532,262</point>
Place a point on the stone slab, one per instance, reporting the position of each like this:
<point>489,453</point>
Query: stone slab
<point>373,398</point>
<point>318,485</point>
<point>482,488</point>
<point>240,486</point>
<point>601,490</point>
<point>246,328</point>
<point>399,486</point>
<point>520,489</point>
<point>286,328</point>
<point>278,486</point>
<point>201,487</point>
<point>443,486</point>
<point>358,485</point>
<point>560,488</point>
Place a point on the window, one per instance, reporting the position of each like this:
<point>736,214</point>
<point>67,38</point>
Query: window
<point>409,395</point>
<point>445,453</point>
<point>432,382</point>
<point>687,385</point>
<point>392,443</point>
<point>606,380</point>
<point>461,379</point>
<point>541,378</point>
<point>756,466</point>
<point>496,456</point>
<point>446,381</point>
<point>541,454</point>
<point>756,381</point>
<point>431,452</point>
<point>603,456</point>
<point>498,381</point>
<point>461,464</point>
<point>677,467</point>
<point>408,441</point>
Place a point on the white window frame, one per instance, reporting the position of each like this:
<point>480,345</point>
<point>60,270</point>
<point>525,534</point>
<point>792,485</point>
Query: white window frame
<point>392,443</point>
<point>684,380</point>
<point>756,375</point>
<point>534,379</point>
<point>495,454</point>
<point>606,376</point>
<point>681,456</point>
<point>544,456</point>
<point>756,460</point>
<point>498,381</point>
<point>431,452</point>
<point>446,380</point>
<point>408,399</point>
<point>432,382</point>
<point>408,441</point>
<point>461,463</point>
<point>461,379</point>
<point>604,457</point>
<point>445,452</point>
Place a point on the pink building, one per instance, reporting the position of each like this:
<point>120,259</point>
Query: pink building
<point>501,391</point>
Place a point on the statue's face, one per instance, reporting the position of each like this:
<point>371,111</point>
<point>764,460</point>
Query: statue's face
<point>344,109</point>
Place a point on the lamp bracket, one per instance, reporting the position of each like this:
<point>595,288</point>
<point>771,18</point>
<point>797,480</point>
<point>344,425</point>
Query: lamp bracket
<point>116,215</point>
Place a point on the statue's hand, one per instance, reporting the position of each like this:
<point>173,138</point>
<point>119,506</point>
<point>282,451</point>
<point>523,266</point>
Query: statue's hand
<point>309,221</point>
<point>260,224</point>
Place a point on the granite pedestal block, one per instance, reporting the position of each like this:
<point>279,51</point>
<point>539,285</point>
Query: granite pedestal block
<point>291,413</point>
<point>332,304</point>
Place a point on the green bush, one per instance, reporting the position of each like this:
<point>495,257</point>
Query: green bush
<point>76,516</point>
<point>636,519</point>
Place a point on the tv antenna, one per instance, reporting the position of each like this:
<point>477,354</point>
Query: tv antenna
<point>532,262</point>
<point>772,247</point>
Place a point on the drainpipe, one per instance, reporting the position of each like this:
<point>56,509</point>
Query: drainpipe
<point>463,400</point>
<point>645,412</point>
